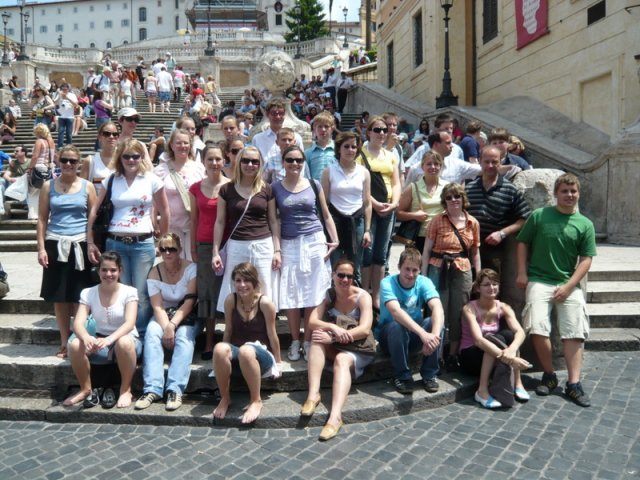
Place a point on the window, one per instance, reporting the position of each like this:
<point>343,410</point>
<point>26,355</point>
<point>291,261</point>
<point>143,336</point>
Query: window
<point>108,7</point>
<point>278,19</point>
<point>177,4</point>
<point>142,34</point>
<point>75,9</point>
<point>177,22</point>
<point>92,45</point>
<point>125,6</point>
<point>159,3</point>
<point>43,29</point>
<point>92,25</point>
<point>142,14</point>
<point>59,28</point>
<point>390,60</point>
<point>75,27</point>
<point>124,22</point>
<point>126,42</point>
<point>159,20</point>
<point>489,20</point>
<point>42,12</point>
<point>29,30</point>
<point>59,11</point>
<point>75,45</point>
<point>417,40</point>
<point>108,44</point>
<point>91,9</point>
<point>596,12</point>
<point>108,24</point>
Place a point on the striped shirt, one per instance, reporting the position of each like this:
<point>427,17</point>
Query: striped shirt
<point>500,206</point>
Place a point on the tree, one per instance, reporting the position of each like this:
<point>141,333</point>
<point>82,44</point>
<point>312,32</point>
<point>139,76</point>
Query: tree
<point>312,24</point>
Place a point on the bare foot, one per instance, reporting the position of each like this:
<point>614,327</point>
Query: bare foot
<point>222,408</point>
<point>252,412</point>
<point>76,398</point>
<point>124,400</point>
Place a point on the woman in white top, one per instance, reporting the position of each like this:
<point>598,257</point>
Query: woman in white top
<point>135,192</point>
<point>171,284</point>
<point>178,173</point>
<point>347,188</point>
<point>95,168</point>
<point>197,145</point>
<point>151,91</point>
<point>111,337</point>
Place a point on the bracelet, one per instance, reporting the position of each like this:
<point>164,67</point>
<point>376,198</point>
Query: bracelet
<point>277,251</point>
<point>503,235</point>
<point>172,324</point>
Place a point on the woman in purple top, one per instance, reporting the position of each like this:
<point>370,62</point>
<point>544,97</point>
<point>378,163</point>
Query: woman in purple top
<point>305,273</point>
<point>478,355</point>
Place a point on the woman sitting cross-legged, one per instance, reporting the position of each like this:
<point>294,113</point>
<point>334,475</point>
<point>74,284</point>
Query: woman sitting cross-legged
<point>478,355</point>
<point>250,346</point>
<point>171,284</point>
<point>331,342</point>
<point>113,306</point>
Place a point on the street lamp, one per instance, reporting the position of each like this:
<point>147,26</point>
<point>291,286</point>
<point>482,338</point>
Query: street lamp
<point>298,12</point>
<point>5,19</point>
<point>22,55</point>
<point>345,10</point>
<point>26,22</point>
<point>210,51</point>
<point>446,98</point>
<point>60,40</point>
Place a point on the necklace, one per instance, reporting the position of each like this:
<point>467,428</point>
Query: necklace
<point>65,187</point>
<point>247,311</point>
<point>174,272</point>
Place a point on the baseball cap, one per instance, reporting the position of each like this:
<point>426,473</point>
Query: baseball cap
<point>128,112</point>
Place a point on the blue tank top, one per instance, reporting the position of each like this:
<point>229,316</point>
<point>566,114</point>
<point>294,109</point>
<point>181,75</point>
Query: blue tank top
<point>298,215</point>
<point>68,211</point>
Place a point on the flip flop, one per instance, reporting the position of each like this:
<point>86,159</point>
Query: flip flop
<point>92,400</point>
<point>62,352</point>
<point>108,398</point>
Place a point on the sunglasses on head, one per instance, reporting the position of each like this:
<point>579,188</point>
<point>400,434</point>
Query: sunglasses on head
<point>65,160</point>
<point>453,197</point>
<point>132,119</point>
<point>250,161</point>
<point>379,129</point>
<point>167,249</point>
<point>131,156</point>
<point>345,275</point>
<point>110,134</point>
<point>299,161</point>
<point>235,151</point>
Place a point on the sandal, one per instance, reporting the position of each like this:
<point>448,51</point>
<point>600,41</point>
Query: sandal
<point>108,398</point>
<point>92,400</point>
<point>62,352</point>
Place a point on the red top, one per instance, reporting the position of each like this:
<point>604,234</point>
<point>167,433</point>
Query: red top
<point>207,213</point>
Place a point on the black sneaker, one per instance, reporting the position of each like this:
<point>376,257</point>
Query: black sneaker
<point>92,400</point>
<point>403,386</point>
<point>547,385</point>
<point>576,393</point>
<point>451,364</point>
<point>430,385</point>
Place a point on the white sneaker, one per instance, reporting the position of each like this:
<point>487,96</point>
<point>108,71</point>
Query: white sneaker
<point>294,351</point>
<point>305,350</point>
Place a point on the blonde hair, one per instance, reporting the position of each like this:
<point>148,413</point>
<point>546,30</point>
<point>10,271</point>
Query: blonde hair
<point>124,146</point>
<point>41,131</point>
<point>258,182</point>
<point>172,137</point>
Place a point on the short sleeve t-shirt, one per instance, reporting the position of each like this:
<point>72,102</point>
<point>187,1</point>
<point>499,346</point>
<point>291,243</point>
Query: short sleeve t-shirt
<point>132,204</point>
<point>556,240</point>
<point>254,224</point>
<point>298,214</point>
<point>109,319</point>
<point>411,299</point>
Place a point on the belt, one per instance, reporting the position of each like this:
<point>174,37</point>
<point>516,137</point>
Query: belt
<point>448,256</point>
<point>129,239</point>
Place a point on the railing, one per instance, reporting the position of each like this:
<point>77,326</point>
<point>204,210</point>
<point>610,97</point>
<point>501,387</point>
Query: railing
<point>364,73</point>
<point>312,47</point>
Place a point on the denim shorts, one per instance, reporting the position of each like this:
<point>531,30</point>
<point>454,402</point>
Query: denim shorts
<point>107,355</point>
<point>265,359</point>
<point>164,96</point>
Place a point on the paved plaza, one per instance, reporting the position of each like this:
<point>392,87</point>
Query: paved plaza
<point>547,438</point>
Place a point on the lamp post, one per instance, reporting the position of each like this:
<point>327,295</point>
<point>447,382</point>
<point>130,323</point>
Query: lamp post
<point>345,10</point>
<point>60,40</point>
<point>5,19</point>
<point>210,51</point>
<point>25,17</point>
<point>446,98</point>
<point>298,12</point>
<point>22,55</point>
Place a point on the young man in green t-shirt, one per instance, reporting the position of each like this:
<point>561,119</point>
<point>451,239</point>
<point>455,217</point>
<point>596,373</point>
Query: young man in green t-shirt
<point>561,243</point>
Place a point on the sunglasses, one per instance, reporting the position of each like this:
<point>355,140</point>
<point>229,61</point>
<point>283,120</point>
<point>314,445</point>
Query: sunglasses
<point>452,197</point>
<point>131,156</point>
<point>72,161</point>
<point>250,161</point>
<point>299,161</point>
<point>110,134</point>
<point>235,151</point>
<point>167,249</point>
<point>342,276</point>
<point>132,119</point>
<point>379,130</point>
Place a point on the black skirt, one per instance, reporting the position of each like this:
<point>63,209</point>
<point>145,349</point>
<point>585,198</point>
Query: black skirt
<point>61,282</point>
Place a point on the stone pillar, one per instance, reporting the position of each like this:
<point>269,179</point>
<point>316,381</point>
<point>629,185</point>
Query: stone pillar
<point>26,72</point>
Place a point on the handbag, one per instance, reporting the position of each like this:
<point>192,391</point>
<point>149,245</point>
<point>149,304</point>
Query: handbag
<point>378,187</point>
<point>4,284</point>
<point>314,187</point>
<point>501,387</point>
<point>191,318</point>
<point>407,231</point>
<point>103,218</point>
<point>37,177</point>
<point>222,253</point>
<point>365,345</point>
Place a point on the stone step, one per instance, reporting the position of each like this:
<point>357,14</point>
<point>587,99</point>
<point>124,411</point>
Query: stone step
<point>613,339</point>
<point>609,292</point>
<point>366,402</point>
<point>18,246</point>
<point>17,235</point>
<point>22,306</point>
<point>614,315</point>
<point>614,275</point>
<point>17,224</point>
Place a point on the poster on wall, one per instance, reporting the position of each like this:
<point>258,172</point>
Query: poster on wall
<point>531,21</point>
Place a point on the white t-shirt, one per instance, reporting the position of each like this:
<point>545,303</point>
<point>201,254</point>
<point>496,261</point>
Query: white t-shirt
<point>132,204</point>
<point>65,107</point>
<point>172,294</point>
<point>109,319</point>
<point>165,82</point>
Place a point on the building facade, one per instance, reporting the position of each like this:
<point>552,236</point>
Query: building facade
<point>580,58</point>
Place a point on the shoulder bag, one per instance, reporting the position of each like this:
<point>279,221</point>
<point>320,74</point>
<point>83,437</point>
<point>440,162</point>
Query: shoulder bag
<point>179,183</point>
<point>378,187</point>
<point>408,230</point>
<point>192,317</point>
<point>103,217</point>
<point>365,345</point>
<point>222,252</point>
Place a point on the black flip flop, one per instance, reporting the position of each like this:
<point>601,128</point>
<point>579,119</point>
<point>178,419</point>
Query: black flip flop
<point>108,398</point>
<point>92,400</point>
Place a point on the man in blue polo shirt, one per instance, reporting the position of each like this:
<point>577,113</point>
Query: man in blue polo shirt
<point>402,329</point>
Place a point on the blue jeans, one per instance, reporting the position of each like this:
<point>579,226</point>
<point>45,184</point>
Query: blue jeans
<point>180,365</point>
<point>65,127</point>
<point>381,228</point>
<point>398,342</point>
<point>44,119</point>
<point>137,261</point>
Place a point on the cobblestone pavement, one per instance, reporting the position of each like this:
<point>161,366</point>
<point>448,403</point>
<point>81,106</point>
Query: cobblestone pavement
<point>547,438</point>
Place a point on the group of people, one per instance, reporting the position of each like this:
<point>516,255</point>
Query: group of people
<point>250,229</point>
